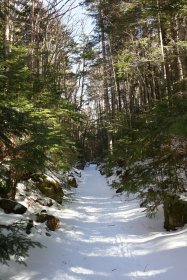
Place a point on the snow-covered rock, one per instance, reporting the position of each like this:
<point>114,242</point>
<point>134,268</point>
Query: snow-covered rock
<point>11,206</point>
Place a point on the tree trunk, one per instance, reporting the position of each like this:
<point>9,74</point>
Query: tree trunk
<point>164,63</point>
<point>104,64</point>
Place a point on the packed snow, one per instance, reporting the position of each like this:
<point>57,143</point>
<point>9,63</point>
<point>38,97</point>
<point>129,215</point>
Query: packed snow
<point>103,236</point>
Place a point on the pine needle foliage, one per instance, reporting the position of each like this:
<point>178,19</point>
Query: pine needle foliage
<point>154,153</point>
<point>15,244</point>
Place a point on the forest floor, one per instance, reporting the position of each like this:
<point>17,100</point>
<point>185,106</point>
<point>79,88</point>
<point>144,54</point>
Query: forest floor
<point>104,236</point>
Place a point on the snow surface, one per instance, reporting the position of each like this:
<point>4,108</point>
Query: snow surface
<point>103,236</point>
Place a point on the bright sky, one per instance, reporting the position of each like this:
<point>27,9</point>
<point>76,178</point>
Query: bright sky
<point>81,22</point>
<point>77,19</point>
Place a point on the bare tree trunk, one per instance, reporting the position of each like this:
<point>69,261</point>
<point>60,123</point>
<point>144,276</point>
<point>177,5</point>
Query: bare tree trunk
<point>165,66</point>
<point>103,46</point>
<point>6,28</point>
<point>6,39</point>
<point>179,62</point>
<point>32,34</point>
<point>82,83</point>
<point>115,88</point>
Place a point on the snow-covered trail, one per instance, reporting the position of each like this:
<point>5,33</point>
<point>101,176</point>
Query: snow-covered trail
<point>96,247</point>
<point>104,237</point>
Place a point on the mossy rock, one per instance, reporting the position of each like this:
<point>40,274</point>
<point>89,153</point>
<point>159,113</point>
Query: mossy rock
<point>50,188</point>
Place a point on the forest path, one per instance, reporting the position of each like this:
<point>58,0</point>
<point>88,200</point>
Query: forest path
<point>103,236</point>
<point>96,229</point>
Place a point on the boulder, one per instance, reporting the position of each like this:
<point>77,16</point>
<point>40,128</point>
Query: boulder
<point>51,188</point>
<point>120,190</point>
<point>29,226</point>
<point>101,171</point>
<point>118,172</point>
<point>72,183</point>
<point>52,222</point>
<point>175,212</point>
<point>11,206</point>
<point>49,203</point>
<point>45,202</point>
<point>41,217</point>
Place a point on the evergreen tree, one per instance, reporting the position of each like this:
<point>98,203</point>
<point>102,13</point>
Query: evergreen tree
<point>38,110</point>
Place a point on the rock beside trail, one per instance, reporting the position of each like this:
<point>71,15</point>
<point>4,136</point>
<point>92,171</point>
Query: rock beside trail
<point>45,202</point>
<point>175,212</point>
<point>29,226</point>
<point>52,222</point>
<point>41,217</point>
<point>72,183</point>
<point>11,206</point>
<point>49,187</point>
